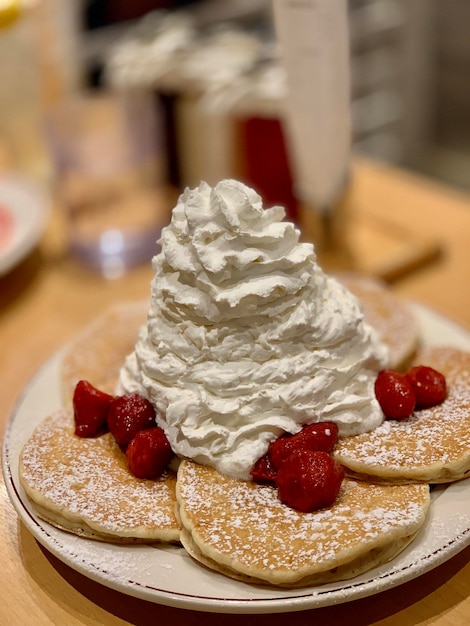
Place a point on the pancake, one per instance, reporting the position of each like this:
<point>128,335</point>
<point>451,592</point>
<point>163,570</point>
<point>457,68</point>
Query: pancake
<point>432,446</point>
<point>391,317</point>
<point>84,486</point>
<point>242,530</point>
<point>97,353</point>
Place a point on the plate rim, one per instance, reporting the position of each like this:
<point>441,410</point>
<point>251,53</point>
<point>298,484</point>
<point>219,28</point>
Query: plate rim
<point>298,599</point>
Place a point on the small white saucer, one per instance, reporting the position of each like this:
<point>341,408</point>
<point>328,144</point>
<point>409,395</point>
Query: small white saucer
<point>24,211</point>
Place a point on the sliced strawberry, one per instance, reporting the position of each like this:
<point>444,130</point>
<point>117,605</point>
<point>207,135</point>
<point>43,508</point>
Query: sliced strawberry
<point>90,409</point>
<point>308,481</point>
<point>429,386</point>
<point>127,415</point>
<point>149,453</point>
<point>264,471</point>
<point>315,437</point>
<point>395,395</point>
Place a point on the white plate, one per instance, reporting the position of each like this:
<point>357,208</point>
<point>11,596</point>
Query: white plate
<point>166,575</point>
<point>24,210</point>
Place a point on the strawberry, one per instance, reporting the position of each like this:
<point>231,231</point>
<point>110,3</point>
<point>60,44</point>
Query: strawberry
<point>428,384</point>
<point>309,480</point>
<point>263,471</point>
<point>149,453</point>
<point>90,409</point>
<point>316,437</point>
<point>127,415</point>
<point>395,395</point>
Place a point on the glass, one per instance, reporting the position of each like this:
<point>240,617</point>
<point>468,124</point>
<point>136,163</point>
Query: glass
<point>105,152</point>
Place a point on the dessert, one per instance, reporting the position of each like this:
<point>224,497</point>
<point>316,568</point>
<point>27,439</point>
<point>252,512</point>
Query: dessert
<point>246,336</point>
<point>83,485</point>
<point>432,445</point>
<point>243,530</point>
<point>246,340</point>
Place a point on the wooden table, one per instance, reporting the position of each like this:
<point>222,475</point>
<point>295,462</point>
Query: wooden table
<point>46,299</point>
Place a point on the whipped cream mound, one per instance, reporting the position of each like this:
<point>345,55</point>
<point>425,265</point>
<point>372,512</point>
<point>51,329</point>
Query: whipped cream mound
<point>246,336</point>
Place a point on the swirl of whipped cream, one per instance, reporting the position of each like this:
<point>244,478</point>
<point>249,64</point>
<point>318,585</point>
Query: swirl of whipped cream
<point>246,336</point>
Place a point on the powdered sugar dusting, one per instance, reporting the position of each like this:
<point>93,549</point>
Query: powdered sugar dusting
<point>437,436</point>
<point>88,480</point>
<point>248,523</point>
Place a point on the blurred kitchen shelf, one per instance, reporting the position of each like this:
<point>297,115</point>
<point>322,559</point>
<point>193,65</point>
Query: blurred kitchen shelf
<point>410,90</point>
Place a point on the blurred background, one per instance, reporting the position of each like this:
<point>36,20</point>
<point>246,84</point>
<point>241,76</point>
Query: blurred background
<point>210,69</point>
<point>410,73</point>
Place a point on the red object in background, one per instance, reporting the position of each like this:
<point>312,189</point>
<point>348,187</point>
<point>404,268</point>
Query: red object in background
<point>264,163</point>
<point>121,10</point>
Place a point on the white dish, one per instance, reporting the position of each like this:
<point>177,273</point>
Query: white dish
<point>24,211</point>
<point>167,575</point>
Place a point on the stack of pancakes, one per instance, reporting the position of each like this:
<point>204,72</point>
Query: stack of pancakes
<point>239,528</point>
<point>83,485</point>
